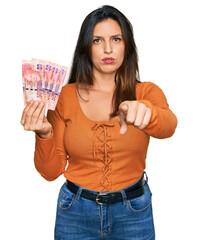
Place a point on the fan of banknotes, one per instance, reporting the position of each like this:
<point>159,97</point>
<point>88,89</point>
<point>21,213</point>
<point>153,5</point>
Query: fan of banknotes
<point>42,81</point>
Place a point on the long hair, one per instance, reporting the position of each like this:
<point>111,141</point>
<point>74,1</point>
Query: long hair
<point>128,73</point>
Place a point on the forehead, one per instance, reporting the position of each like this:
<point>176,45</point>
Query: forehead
<point>107,27</point>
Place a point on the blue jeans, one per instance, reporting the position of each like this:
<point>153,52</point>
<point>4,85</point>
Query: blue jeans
<point>81,219</point>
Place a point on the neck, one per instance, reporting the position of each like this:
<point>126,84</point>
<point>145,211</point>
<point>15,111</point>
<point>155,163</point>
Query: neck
<point>104,82</point>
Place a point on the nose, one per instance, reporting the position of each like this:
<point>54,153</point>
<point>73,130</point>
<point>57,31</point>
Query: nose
<point>107,47</point>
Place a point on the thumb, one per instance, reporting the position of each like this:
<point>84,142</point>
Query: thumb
<point>123,108</point>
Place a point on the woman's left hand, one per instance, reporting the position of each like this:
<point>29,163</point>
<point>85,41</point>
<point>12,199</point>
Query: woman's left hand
<point>133,113</point>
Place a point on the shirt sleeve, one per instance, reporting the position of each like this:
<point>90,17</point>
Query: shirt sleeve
<point>50,156</point>
<point>163,121</point>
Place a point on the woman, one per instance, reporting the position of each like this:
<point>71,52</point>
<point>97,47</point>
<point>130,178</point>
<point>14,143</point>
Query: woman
<point>101,127</point>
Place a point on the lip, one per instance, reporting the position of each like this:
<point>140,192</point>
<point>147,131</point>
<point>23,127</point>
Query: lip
<point>108,60</point>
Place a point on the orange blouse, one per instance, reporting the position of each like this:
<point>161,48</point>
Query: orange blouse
<point>98,157</point>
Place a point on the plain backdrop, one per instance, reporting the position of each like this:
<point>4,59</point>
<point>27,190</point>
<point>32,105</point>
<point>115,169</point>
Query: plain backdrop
<point>166,36</point>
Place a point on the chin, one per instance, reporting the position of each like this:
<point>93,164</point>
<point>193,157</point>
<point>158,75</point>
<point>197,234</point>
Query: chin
<point>109,72</point>
<point>109,69</point>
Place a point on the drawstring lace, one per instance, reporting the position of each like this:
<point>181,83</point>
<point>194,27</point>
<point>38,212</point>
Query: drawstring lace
<point>104,151</point>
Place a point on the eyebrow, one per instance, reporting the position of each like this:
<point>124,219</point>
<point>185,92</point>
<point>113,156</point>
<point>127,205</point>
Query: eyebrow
<point>111,36</point>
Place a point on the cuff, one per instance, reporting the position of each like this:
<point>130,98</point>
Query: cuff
<point>47,140</point>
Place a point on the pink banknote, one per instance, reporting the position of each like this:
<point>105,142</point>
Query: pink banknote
<point>42,81</point>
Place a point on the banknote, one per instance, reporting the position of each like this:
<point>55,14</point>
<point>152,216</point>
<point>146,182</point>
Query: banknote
<point>58,86</point>
<point>42,80</point>
<point>31,80</point>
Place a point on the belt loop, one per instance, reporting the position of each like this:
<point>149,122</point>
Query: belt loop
<point>78,194</point>
<point>124,197</point>
<point>146,176</point>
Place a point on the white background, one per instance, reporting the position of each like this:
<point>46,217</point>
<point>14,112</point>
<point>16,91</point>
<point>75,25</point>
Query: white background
<point>166,37</point>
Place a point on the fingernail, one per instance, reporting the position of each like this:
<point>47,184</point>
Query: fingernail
<point>31,101</point>
<point>121,131</point>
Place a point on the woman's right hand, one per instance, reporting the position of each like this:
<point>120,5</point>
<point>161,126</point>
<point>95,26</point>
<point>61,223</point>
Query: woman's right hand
<point>33,119</point>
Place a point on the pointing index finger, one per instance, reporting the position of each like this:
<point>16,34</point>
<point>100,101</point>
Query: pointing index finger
<point>123,110</point>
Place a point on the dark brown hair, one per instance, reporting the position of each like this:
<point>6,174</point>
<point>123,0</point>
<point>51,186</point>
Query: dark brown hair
<point>128,73</point>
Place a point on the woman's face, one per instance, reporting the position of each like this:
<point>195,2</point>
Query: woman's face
<point>108,47</point>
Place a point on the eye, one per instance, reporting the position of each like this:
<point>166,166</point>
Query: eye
<point>117,39</point>
<point>97,40</point>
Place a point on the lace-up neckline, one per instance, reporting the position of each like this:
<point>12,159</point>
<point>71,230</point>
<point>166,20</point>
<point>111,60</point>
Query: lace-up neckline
<point>103,151</point>
<point>102,148</point>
